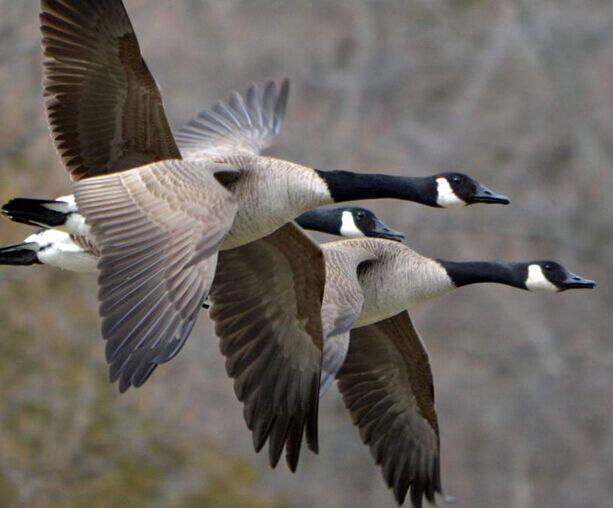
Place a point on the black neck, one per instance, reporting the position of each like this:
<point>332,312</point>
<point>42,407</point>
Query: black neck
<point>476,272</point>
<point>349,186</point>
<point>323,221</point>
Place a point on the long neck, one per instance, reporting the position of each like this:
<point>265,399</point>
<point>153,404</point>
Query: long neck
<point>318,220</point>
<point>477,272</point>
<point>349,186</point>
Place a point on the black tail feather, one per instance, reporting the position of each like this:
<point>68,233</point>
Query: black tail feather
<point>34,212</point>
<point>20,254</point>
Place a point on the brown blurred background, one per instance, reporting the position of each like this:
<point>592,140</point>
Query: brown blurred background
<point>517,93</point>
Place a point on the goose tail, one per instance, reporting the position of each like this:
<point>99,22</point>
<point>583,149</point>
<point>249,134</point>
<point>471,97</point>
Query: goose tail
<point>38,212</point>
<point>20,254</point>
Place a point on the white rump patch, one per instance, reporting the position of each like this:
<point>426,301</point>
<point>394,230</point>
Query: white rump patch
<point>48,237</point>
<point>348,227</point>
<point>445,197</point>
<point>75,225</point>
<point>537,281</point>
<point>63,204</point>
<point>56,248</point>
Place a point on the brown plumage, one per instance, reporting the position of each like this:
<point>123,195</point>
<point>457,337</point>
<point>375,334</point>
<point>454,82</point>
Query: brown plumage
<point>104,108</point>
<point>386,384</point>
<point>266,304</point>
<point>158,256</point>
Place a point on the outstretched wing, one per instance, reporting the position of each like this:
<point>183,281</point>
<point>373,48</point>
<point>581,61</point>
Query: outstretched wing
<point>386,383</point>
<point>158,229</point>
<point>267,311</point>
<point>104,108</point>
<point>240,126</point>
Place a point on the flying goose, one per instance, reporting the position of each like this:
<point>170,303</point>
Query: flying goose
<point>380,362</point>
<point>370,346</point>
<point>369,285</point>
<point>163,210</point>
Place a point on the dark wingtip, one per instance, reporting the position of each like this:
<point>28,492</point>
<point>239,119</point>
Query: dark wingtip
<point>294,442</point>
<point>277,439</point>
<point>311,428</point>
<point>124,384</point>
<point>292,463</point>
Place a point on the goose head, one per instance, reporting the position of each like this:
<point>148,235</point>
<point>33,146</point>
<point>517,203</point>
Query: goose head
<point>349,222</point>
<point>457,189</point>
<point>533,275</point>
<point>551,276</point>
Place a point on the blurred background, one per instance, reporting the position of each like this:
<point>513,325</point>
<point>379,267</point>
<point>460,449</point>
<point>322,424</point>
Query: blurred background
<point>517,93</point>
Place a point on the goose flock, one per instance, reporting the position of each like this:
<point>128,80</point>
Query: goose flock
<point>173,223</point>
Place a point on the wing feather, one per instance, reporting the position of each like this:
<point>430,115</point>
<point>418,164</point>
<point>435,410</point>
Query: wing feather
<point>239,126</point>
<point>104,108</point>
<point>386,383</point>
<point>266,304</point>
<point>157,259</point>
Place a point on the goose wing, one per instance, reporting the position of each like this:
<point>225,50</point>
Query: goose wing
<point>104,108</point>
<point>386,383</point>
<point>266,304</point>
<point>342,304</point>
<point>158,229</point>
<point>240,126</point>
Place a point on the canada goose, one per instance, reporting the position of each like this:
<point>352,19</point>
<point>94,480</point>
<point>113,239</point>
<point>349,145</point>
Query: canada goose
<point>369,285</point>
<point>367,281</point>
<point>160,220</point>
<point>446,190</point>
<point>381,364</point>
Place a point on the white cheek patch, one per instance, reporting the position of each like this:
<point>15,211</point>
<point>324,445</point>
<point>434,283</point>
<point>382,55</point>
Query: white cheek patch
<point>445,197</point>
<point>348,227</point>
<point>537,281</point>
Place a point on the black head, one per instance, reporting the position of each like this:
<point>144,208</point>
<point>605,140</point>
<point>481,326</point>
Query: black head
<point>458,189</point>
<point>348,221</point>
<point>551,276</point>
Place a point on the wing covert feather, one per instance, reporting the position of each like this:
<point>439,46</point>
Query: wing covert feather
<point>158,229</point>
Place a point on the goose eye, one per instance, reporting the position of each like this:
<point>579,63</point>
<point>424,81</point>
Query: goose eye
<point>547,268</point>
<point>360,215</point>
<point>457,179</point>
